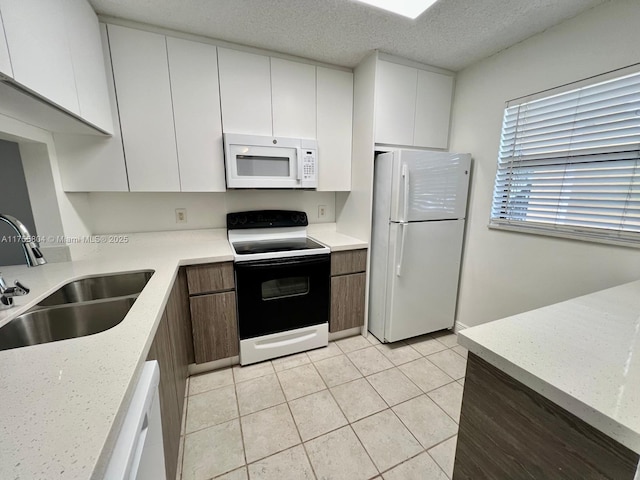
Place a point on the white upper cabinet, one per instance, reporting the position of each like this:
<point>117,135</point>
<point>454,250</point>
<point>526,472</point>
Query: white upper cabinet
<point>85,44</point>
<point>93,163</point>
<point>55,49</point>
<point>245,92</point>
<point>412,106</point>
<point>36,32</point>
<point>5,60</point>
<point>395,103</point>
<point>335,122</point>
<point>433,110</point>
<point>293,93</point>
<point>193,70</point>
<point>143,90</point>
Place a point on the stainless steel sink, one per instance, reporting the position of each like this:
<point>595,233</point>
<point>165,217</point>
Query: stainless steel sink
<point>98,287</point>
<point>60,323</point>
<point>77,309</point>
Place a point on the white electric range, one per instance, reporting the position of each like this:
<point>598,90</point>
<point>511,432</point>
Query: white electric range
<point>283,282</point>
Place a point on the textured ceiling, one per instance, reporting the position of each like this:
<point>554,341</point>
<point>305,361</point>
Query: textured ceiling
<point>452,34</point>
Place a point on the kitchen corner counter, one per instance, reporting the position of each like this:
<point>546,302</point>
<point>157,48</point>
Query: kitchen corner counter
<point>582,354</point>
<point>65,401</point>
<point>326,233</point>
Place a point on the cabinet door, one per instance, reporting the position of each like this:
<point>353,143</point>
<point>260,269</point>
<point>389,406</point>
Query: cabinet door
<point>347,302</point>
<point>193,69</point>
<point>171,415</point>
<point>433,110</point>
<point>335,121</point>
<point>395,103</point>
<point>36,33</point>
<point>215,328</point>
<point>141,75</point>
<point>245,92</point>
<point>91,163</point>
<point>85,45</point>
<point>5,60</point>
<point>293,93</point>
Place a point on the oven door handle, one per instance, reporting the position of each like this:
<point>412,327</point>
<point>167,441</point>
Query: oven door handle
<point>277,262</point>
<point>299,155</point>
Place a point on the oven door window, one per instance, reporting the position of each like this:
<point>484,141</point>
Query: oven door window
<point>285,287</point>
<point>262,166</point>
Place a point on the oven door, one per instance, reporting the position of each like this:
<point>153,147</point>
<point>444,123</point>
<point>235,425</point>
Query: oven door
<point>282,294</point>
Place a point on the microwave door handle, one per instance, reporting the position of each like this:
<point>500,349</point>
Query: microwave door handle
<point>299,155</point>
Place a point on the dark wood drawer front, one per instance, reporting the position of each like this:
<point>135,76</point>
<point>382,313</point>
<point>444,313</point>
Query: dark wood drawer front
<point>210,278</point>
<point>350,261</point>
<point>215,327</point>
<point>347,302</point>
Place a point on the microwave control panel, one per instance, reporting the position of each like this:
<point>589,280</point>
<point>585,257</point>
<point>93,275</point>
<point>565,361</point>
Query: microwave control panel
<point>309,168</point>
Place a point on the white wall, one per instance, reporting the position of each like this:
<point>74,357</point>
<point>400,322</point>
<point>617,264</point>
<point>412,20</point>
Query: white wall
<point>148,212</point>
<point>506,273</point>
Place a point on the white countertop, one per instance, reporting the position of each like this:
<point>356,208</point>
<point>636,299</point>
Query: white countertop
<point>63,402</point>
<point>582,354</point>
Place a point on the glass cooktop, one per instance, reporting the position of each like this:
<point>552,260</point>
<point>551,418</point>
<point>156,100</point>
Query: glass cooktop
<point>281,245</point>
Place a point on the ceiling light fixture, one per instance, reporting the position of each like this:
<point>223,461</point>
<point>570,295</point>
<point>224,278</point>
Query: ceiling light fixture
<point>407,8</point>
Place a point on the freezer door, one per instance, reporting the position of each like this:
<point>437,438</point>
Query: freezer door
<point>423,272</point>
<point>429,185</point>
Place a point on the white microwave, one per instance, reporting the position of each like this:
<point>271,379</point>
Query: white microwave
<point>253,161</point>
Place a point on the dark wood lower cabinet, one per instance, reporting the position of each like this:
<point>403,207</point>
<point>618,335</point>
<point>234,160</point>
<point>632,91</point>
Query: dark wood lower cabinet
<point>215,326</point>
<point>172,347</point>
<point>347,301</point>
<point>509,431</point>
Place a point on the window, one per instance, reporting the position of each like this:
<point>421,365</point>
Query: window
<point>569,164</point>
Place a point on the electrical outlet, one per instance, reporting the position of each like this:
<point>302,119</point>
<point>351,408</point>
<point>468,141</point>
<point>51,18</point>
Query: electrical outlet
<point>322,211</point>
<point>181,215</point>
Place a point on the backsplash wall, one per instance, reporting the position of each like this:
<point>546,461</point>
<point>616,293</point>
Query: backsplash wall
<point>148,212</point>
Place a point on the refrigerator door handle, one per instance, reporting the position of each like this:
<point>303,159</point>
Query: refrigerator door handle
<point>403,233</point>
<point>405,177</point>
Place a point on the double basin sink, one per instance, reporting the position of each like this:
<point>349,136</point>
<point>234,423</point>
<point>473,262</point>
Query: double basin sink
<point>79,308</point>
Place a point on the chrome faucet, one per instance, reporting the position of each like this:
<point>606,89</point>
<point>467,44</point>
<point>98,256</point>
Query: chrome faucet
<point>32,253</point>
<point>7,293</point>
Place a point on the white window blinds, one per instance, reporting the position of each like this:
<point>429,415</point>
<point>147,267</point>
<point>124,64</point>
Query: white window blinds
<point>569,164</point>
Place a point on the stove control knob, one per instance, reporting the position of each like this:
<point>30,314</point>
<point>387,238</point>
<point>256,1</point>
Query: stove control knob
<point>242,220</point>
<point>233,221</point>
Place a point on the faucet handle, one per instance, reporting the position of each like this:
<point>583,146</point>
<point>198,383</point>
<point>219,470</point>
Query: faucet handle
<point>21,288</point>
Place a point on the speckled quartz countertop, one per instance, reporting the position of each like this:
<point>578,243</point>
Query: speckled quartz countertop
<point>63,402</point>
<point>583,354</point>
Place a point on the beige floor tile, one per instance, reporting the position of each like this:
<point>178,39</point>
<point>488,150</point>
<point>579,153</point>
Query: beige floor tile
<point>211,408</point>
<point>426,345</point>
<point>209,381</point>
<point>316,414</point>
<point>393,386</point>
<point>329,351</point>
<point>461,381</point>
<point>240,474</point>
<point>450,362</point>
<point>398,352</point>
<point>425,374</point>
<point>386,439</point>
<point>428,422</point>
<point>268,431</point>
<point>339,455</point>
<point>369,360</point>
<point>449,398</point>
<point>358,399</point>
<point>299,381</point>
<point>212,451</point>
<point>460,350</point>
<point>421,467</point>
<point>372,339</point>
<point>351,344</point>
<point>445,454</point>
<point>291,464</point>
<point>290,361</point>
<point>446,337</point>
<point>337,370</point>
<point>259,393</point>
<point>242,374</point>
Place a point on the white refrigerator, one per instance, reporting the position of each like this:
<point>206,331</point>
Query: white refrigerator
<point>419,209</point>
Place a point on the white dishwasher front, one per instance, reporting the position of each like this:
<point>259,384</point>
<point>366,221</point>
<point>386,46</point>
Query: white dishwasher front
<point>139,451</point>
